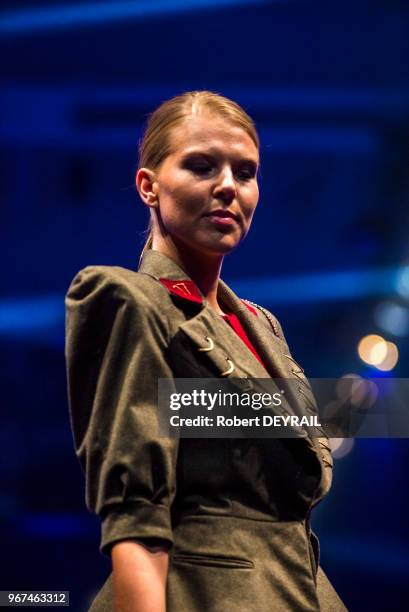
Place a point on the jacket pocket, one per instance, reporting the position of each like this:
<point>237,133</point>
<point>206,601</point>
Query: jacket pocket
<point>212,561</point>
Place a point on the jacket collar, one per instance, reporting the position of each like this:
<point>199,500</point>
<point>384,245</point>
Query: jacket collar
<point>207,321</point>
<point>177,281</point>
<point>158,264</point>
<point>179,284</point>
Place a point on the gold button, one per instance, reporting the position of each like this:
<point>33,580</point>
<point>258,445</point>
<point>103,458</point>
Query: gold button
<point>207,348</point>
<point>230,369</point>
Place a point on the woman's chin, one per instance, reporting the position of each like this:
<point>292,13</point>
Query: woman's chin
<point>209,245</point>
<point>218,247</point>
<point>221,244</point>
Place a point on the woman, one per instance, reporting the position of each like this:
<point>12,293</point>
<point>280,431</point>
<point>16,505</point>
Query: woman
<point>192,524</point>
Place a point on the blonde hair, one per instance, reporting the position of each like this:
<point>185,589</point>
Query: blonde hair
<point>155,144</point>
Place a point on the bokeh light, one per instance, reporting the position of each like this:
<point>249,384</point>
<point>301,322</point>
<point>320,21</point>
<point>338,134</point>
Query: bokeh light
<point>357,390</point>
<point>372,349</point>
<point>402,284</point>
<point>378,352</point>
<point>392,318</point>
<point>341,447</point>
<point>391,358</point>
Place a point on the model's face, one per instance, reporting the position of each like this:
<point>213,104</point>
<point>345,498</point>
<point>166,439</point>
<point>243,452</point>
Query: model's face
<point>212,167</point>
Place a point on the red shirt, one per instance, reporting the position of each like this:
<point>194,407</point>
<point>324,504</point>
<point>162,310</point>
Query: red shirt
<point>233,320</point>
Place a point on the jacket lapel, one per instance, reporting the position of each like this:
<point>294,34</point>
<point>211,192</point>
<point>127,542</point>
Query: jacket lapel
<point>218,343</point>
<point>207,323</point>
<point>226,353</point>
<point>281,365</point>
<point>224,345</point>
<point>267,345</point>
<point>271,349</point>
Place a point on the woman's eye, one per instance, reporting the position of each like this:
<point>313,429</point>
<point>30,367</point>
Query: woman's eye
<point>203,168</point>
<point>200,168</point>
<point>246,174</point>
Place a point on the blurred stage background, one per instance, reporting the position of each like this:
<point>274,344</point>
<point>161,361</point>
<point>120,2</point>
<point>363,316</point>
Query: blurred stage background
<point>328,86</point>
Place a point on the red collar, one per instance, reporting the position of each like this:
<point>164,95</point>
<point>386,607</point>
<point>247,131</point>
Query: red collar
<point>183,288</point>
<point>187,289</point>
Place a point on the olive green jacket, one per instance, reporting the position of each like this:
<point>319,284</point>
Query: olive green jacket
<point>235,513</point>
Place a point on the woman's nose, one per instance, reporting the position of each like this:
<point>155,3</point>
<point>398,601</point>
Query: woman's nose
<point>226,185</point>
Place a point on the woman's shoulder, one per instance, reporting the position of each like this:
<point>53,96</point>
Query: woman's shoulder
<point>95,283</point>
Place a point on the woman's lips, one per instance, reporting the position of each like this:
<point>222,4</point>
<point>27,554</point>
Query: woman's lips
<point>222,218</point>
<point>221,221</point>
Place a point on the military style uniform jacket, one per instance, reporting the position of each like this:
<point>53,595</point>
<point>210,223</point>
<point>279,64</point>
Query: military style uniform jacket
<point>235,512</point>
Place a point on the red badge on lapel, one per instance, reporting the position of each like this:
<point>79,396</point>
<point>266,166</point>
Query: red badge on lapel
<point>183,288</point>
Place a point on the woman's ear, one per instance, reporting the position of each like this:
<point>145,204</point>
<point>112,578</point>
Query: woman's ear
<point>146,185</point>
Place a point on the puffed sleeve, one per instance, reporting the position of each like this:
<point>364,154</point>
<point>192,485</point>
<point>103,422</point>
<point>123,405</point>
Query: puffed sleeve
<point>116,349</point>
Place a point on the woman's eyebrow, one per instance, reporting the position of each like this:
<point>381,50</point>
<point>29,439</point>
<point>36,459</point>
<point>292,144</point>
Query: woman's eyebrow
<point>212,153</point>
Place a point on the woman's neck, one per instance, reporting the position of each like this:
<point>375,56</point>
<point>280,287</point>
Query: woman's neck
<point>204,271</point>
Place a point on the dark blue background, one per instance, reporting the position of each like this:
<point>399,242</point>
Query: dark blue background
<point>328,86</point>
